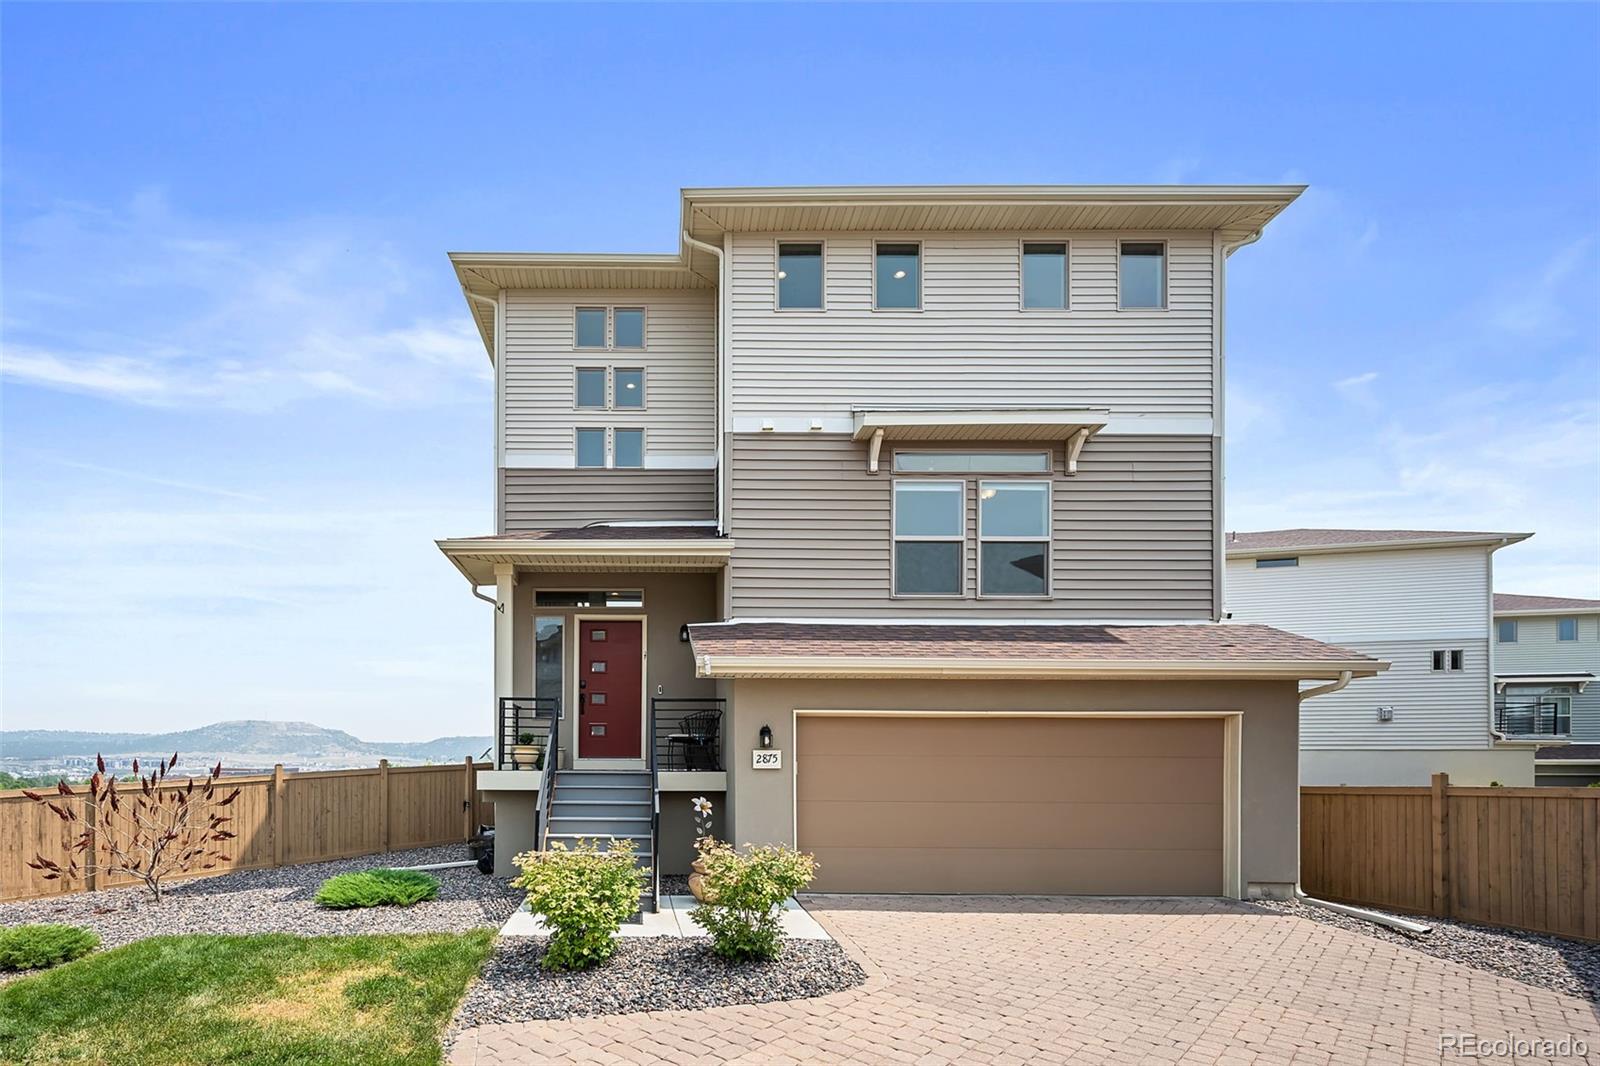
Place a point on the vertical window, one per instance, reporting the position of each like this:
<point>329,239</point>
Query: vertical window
<point>627,327</point>
<point>628,386</point>
<point>1506,631</point>
<point>928,537</point>
<point>628,447</point>
<point>1567,629</point>
<point>547,657</point>
<point>1142,275</point>
<point>591,447</point>
<point>1013,538</point>
<point>590,328</point>
<point>799,277</point>
<point>591,386</point>
<point>1044,276</point>
<point>897,276</point>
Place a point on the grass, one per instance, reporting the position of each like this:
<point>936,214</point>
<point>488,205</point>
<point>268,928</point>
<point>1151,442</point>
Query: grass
<point>35,947</point>
<point>269,999</point>
<point>376,888</point>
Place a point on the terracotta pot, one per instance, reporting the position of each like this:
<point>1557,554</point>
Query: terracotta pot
<point>697,881</point>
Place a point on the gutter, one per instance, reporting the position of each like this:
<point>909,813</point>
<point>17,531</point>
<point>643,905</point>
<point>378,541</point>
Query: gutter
<point>1323,690</point>
<point>723,382</point>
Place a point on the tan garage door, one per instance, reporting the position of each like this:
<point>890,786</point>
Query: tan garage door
<point>1098,806</point>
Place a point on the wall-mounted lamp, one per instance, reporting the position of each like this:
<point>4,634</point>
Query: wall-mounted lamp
<point>683,632</point>
<point>766,736</point>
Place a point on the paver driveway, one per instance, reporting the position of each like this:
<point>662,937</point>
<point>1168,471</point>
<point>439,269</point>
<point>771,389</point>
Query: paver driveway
<point>1008,980</point>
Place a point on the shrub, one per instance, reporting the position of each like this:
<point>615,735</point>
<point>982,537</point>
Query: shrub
<point>749,891</point>
<point>376,888</point>
<point>35,947</point>
<point>583,895</point>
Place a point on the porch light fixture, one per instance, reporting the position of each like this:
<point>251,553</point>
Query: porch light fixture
<point>766,736</point>
<point>683,633</point>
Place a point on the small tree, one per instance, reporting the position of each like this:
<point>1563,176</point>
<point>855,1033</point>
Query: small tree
<point>152,834</point>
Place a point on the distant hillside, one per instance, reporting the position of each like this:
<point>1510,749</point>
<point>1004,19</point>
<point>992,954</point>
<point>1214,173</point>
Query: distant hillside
<point>255,741</point>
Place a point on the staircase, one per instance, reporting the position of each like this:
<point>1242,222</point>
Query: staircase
<point>604,804</point>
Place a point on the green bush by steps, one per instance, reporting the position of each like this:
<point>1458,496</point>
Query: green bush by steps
<point>36,947</point>
<point>377,888</point>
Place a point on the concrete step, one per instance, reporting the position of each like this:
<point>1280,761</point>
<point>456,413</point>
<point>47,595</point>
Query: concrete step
<point>563,826</point>
<point>567,790</point>
<point>587,808</point>
<point>631,778</point>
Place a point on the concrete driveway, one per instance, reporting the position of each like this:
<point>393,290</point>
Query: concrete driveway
<point>1011,980</point>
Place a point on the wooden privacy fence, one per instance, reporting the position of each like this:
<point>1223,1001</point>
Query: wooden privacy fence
<point>1528,858</point>
<point>280,818</point>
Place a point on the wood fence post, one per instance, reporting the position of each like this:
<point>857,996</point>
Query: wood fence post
<point>91,854</point>
<point>470,804</point>
<point>275,805</point>
<point>383,802</point>
<point>1441,845</point>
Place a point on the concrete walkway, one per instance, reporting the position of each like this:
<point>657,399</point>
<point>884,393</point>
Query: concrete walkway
<point>1011,980</point>
<point>673,919</point>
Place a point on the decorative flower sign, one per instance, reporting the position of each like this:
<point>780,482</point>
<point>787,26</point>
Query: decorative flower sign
<point>702,817</point>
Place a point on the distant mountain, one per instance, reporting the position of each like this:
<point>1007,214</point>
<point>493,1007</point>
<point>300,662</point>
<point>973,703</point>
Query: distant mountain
<point>244,741</point>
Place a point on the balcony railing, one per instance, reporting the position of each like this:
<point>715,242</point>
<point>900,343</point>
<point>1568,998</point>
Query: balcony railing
<point>1533,717</point>
<point>687,732</point>
<point>523,732</point>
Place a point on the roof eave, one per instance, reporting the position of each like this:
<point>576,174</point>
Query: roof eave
<point>1499,540</point>
<point>862,667</point>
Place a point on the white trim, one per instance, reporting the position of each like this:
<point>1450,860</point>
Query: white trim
<point>1466,540</point>
<point>842,666</point>
<point>520,460</point>
<point>578,761</point>
<point>1564,612</point>
<point>1115,425</point>
<point>1232,762</point>
<point>901,620</point>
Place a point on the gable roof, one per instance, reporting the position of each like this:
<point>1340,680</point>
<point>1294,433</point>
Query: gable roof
<point>1311,541</point>
<point>1511,603</point>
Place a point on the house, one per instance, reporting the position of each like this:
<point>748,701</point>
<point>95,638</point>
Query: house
<point>1547,658</point>
<point>890,519</point>
<point>1418,599</point>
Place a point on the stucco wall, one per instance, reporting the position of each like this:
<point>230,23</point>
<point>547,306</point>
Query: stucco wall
<point>1512,767</point>
<point>763,810</point>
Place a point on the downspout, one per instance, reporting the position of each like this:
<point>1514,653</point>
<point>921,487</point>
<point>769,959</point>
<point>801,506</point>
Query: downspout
<point>1495,736</point>
<point>723,384</point>
<point>486,599</point>
<point>1323,690</point>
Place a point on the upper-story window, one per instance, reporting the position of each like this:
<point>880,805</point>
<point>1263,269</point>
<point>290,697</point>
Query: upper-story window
<point>1567,629</point>
<point>1452,660</point>
<point>628,386</point>
<point>589,329</point>
<point>996,462</point>
<point>897,276</point>
<point>1044,276</point>
<point>1282,560</point>
<point>929,538</point>
<point>1013,538</point>
<point>599,388</point>
<point>608,327</point>
<point>589,387</point>
<point>1506,631</point>
<point>799,276</point>
<point>590,447</point>
<point>1142,275</point>
<point>627,327</point>
<point>627,446</point>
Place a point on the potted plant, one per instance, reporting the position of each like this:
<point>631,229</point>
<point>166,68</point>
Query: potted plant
<point>526,754</point>
<point>702,840</point>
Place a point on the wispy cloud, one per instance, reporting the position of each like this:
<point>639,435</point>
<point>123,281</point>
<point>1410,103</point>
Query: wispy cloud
<point>1535,304</point>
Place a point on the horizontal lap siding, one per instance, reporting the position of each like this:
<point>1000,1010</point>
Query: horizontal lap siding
<point>1536,650</point>
<point>557,499</point>
<point>1431,710</point>
<point>971,344</point>
<point>679,360</point>
<point>1133,532</point>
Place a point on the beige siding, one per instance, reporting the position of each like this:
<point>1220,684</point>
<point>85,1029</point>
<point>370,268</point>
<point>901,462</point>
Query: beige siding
<point>1132,531</point>
<point>971,344</point>
<point>556,499</point>
<point>679,361</point>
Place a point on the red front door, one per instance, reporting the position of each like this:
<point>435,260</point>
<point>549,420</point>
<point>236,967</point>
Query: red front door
<point>610,676</point>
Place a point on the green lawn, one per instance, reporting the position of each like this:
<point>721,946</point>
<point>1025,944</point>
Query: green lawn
<point>245,999</point>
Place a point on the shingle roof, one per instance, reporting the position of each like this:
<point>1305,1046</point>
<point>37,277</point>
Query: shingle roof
<point>1569,751</point>
<point>1328,538</point>
<point>618,533</point>
<point>1509,601</point>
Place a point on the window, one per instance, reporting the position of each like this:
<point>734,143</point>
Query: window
<point>1270,564</point>
<point>1531,710</point>
<point>1506,631</point>
<point>1044,276</point>
<point>590,331</point>
<point>628,386</point>
<point>628,447</point>
<point>929,517</point>
<point>1451,661</point>
<point>591,386</point>
<point>547,659</point>
<point>564,598</point>
<point>627,327</point>
<point>972,462</point>
<point>897,277</point>
<point>1013,538</point>
<point>1142,275</point>
<point>590,447</point>
<point>1567,629</point>
<point>799,277</point>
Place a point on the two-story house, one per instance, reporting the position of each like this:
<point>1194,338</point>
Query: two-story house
<point>1547,665</point>
<point>1418,599</point>
<point>891,519</point>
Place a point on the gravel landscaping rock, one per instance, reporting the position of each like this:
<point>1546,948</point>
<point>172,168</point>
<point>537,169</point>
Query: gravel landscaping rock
<point>674,885</point>
<point>279,901</point>
<point>648,974</point>
<point>1556,963</point>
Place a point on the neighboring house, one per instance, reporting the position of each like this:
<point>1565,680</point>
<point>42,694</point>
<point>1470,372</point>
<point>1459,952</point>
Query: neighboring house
<point>1418,599</point>
<point>890,518</point>
<point>1547,663</point>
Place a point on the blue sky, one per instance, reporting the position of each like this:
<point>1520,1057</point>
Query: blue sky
<point>241,394</point>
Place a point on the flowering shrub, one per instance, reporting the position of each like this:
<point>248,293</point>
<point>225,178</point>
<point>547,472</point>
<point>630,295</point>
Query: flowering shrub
<point>748,892</point>
<point>583,895</point>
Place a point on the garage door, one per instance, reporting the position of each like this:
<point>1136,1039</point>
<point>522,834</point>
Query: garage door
<point>1098,806</point>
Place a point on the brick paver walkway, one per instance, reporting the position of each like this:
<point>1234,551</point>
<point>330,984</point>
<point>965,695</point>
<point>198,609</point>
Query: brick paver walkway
<point>1005,980</point>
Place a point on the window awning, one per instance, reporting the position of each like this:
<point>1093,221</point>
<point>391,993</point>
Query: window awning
<point>1568,678</point>
<point>591,549</point>
<point>1069,425</point>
